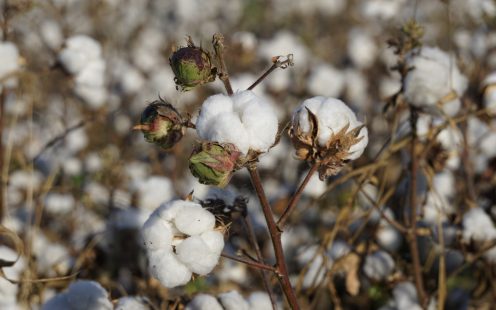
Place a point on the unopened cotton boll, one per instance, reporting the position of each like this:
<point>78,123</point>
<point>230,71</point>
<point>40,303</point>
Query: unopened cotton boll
<point>233,300</point>
<point>204,302</point>
<point>80,295</point>
<point>244,119</point>
<point>378,265</point>
<point>435,80</point>
<point>325,80</point>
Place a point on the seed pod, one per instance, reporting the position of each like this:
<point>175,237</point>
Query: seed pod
<point>214,163</point>
<point>192,66</point>
<point>161,124</point>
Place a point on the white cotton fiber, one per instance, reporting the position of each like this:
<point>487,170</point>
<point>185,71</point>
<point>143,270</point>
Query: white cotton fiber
<point>79,51</point>
<point>325,80</point>
<point>194,220</point>
<point>81,295</point>
<point>196,255</point>
<point>165,267</point>
<point>157,234</point>
<point>259,301</point>
<point>378,265</point>
<point>131,303</point>
<point>478,226</point>
<point>204,302</point>
<point>244,119</point>
<point>9,56</point>
<point>214,240</point>
<point>233,300</point>
<point>405,296</point>
<point>153,191</point>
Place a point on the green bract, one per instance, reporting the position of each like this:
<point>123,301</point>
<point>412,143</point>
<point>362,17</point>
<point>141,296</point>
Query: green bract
<point>192,67</point>
<point>161,124</point>
<point>214,163</point>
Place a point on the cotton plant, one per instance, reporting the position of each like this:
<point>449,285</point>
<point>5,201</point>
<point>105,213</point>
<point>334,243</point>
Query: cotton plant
<point>234,130</point>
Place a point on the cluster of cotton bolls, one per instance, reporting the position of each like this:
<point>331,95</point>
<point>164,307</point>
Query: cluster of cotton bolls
<point>180,239</point>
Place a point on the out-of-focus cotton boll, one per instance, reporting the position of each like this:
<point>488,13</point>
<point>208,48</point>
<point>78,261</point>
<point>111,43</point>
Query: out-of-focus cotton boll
<point>59,203</point>
<point>259,301</point>
<point>285,43</point>
<point>153,191</point>
<point>204,302</point>
<point>72,166</point>
<point>76,140</point>
<point>122,124</point>
<point>315,187</point>
<point>51,34</point>
<point>325,80</point>
<point>247,40</point>
<point>435,80</point>
<point>361,48</point>
<point>357,89</point>
<point>389,86</point>
<point>25,180</point>
<point>58,262</point>
<point>233,300</point>
<point>405,296</point>
<point>388,237</point>
<point>378,265</point>
<point>9,63</point>
<point>332,115</point>
<point>8,291</point>
<point>78,52</point>
<point>478,10</point>
<point>478,226</point>
<point>488,145</point>
<point>489,85</point>
<point>381,9</point>
<point>244,119</point>
<point>131,303</point>
<point>82,294</point>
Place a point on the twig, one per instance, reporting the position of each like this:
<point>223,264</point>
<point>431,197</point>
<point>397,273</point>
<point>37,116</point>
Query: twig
<point>296,197</point>
<point>276,63</point>
<point>3,95</point>
<point>265,278</point>
<point>275,235</point>
<point>249,262</point>
<point>218,43</point>
<point>412,234</point>
<point>441,299</point>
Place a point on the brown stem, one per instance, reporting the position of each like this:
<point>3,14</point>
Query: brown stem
<point>218,43</point>
<point>265,277</point>
<point>412,234</point>
<point>276,63</point>
<point>263,76</point>
<point>296,197</point>
<point>250,263</point>
<point>275,236</point>
<point>3,96</point>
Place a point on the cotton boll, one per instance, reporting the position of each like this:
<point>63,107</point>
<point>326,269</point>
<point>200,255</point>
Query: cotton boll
<point>488,144</point>
<point>168,211</point>
<point>361,48</point>
<point>79,51</point>
<point>325,80</point>
<point>214,240</point>
<point>315,187</point>
<point>153,191</point>
<point>166,268</point>
<point>26,179</point>
<point>196,255</point>
<point>489,85</point>
<point>245,120</point>
<point>389,238</point>
<point>204,302</point>
<point>76,140</point>
<point>233,300</point>
<point>9,63</point>
<point>95,97</point>
<point>247,40</point>
<point>477,226</point>
<point>405,296</point>
<point>259,301</point>
<point>381,9</point>
<point>131,303</point>
<point>58,262</point>
<point>131,80</point>
<point>434,77</point>
<point>315,272</point>
<point>82,294</point>
<point>8,291</point>
<point>59,203</point>
<point>157,234</point>
<point>357,88</point>
<point>194,220</point>
<point>51,34</point>
<point>92,75</point>
<point>378,265</point>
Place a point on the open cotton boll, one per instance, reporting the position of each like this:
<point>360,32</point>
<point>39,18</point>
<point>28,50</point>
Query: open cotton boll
<point>315,187</point>
<point>51,34</point>
<point>325,80</point>
<point>361,48</point>
<point>59,203</point>
<point>378,265</point>
<point>92,74</point>
<point>166,267</point>
<point>197,255</point>
<point>9,63</point>
<point>332,115</point>
<point>8,290</point>
<point>204,302</point>
<point>244,119</point>
<point>259,301</point>
<point>78,52</point>
<point>381,9</point>
<point>194,220</point>
<point>489,98</point>
<point>434,78</point>
<point>153,191</point>
<point>405,296</point>
<point>478,226</point>
<point>82,294</point>
<point>233,300</point>
<point>131,303</point>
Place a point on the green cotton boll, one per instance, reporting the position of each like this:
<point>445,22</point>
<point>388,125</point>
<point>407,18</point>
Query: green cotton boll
<point>214,163</point>
<point>192,66</point>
